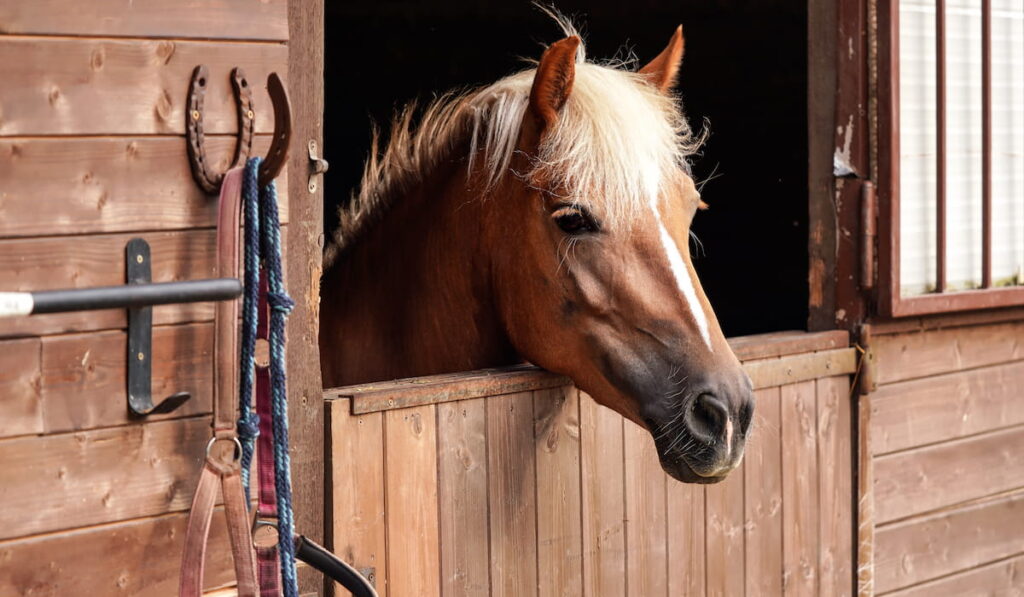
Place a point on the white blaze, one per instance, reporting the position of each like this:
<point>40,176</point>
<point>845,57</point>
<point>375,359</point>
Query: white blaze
<point>682,275</point>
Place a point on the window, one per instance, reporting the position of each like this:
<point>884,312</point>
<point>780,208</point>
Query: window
<point>951,110</point>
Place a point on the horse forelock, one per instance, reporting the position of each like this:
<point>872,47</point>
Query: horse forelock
<point>617,145</point>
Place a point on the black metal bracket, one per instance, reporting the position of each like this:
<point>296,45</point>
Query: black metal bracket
<point>140,340</point>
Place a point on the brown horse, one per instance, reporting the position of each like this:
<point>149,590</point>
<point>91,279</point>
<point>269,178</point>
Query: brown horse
<point>543,217</point>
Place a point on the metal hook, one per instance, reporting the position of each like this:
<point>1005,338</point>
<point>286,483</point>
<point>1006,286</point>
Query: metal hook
<point>278,154</point>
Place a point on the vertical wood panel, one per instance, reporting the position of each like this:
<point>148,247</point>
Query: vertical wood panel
<point>355,465</point>
<point>799,489</point>
<point>686,565</point>
<point>604,539</point>
<point>559,527</point>
<point>21,401</point>
<point>763,497</point>
<point>835,480</point>
<point>410,447</point>
<point>724,539</point>
<point>462,495</point>
<point>513,507</point>
<point>646,539</point>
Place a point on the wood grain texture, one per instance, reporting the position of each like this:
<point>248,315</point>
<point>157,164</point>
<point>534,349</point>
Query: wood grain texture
<point>603,500</point>
<point>355,464</point>
<point>84,376</point>
<point>223,19</point>
<point>792,369</point>
<point>646,516</point>
<point>724,535</point>
<point>835,487</point>
<point>410,469</point>
<point>944,407</point>
<point>932,477</point>
<point>512,487</point>
<point>777,344</point>
<point>66,481</point>
<point>763,497</point>
<point>686,538</point>
<point>462,495</point>
<point>21,398</point>
<point>127,87</point>
<point>559,527</point>
<point>906,553</point>
<point>1001,579</point>
<point>92,185</point>
<point>922,354</point>
<point>799,489</point>
<point>137,558</point>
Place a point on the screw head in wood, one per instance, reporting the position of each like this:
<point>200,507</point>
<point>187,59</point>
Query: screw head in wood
<point>195,114</point>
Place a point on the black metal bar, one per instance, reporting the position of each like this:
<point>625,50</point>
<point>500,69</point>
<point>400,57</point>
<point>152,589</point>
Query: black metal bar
<point>135,295</point>
<point>940,212</point>
<point>986,143</point>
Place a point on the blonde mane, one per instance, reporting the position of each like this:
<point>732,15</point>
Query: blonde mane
<point>617,144</point>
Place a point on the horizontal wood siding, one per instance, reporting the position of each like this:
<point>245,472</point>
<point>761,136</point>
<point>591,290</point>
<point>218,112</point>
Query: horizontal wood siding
<point>546,492</point>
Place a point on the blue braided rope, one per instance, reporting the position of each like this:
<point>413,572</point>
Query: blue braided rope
<point>248,419</point>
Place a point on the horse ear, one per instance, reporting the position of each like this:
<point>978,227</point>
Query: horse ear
<point>663,70</point>
<point>553,81</point>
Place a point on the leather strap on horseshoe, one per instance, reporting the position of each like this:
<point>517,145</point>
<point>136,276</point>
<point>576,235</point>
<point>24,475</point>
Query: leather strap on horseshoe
<point>202,171</point>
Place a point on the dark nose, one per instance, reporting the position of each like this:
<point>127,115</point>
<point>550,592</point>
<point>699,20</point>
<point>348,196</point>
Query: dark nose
<point>707,418</point>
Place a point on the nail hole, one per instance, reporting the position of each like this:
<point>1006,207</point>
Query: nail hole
<point>202,81</point>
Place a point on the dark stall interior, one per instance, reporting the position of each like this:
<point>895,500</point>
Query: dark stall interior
<point>744,73</point>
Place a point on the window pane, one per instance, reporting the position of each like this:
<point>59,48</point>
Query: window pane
<point>1007,142</point>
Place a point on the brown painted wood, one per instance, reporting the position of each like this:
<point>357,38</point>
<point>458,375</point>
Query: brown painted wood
<point>20,387</point>
<point>908,356</point>
<point>66,481</point>
<point>933,409</point>
<point>603,500</point>
<point>803,367</point>
<point>84,376</point>
<point>410,469</point>
<point>559,527</point>
<point>800,508</point>
<point>724,535</point>
<point>906,554</point>
<point>686,565</point>
<point>946,320</point>
<point>1002,579</point>
<point>512,487</point>
<point>763,497</point>
<point>646,516</point>
<point>222,19</point>
<point>462,496</point>
<point>127,87</point>
<point>355,471</point>
<point>865,503</point>
<point>835,487</point>
<point>933,477</point>
<point>137,558</point>
<point>777,344</point>
<point>99,184</point>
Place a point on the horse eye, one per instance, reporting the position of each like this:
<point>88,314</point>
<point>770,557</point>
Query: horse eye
<point>574,222</point>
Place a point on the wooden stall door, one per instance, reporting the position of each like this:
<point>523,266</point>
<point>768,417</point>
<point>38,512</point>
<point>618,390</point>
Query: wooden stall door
<point>514,483</point>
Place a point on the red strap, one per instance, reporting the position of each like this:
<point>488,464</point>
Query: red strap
<point>269,563</point>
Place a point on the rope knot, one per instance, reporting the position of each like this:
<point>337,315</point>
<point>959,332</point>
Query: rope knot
<point>280,301</point>
<point>249,426</point>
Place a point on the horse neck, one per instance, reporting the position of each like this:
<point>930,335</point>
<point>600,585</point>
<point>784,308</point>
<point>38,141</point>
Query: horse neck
<point>412,295</point>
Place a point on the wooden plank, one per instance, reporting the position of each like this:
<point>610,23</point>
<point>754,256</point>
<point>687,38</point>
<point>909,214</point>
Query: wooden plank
<point>84,376</point>
<point>865,504</point>
<point>724,535</point>
<point>136,558</point>
<point>763,497</point>
<point>603,500</point>
<point>109,184</point>
<point>835,487</point>
<point>224,19</point>
<point>462,494</point>
<point>66,481</point>
<point>922,354</point>
<point>803,367</point>
<point>20,389</point>
<point>933,409</point>
<point>51,263</point>
<point>777,344</point>
<point>948,320</point>
<point>1001,579</point>
<point>128,87</point>
<point>355,471</point>
<point>907,553</point>
<point>799,489</point>
<point>410,446</point>
<point>559,527</point>
<point>511,486</point>
<point>923,479</point>
<point>646,533</point>
<point>686,538</point>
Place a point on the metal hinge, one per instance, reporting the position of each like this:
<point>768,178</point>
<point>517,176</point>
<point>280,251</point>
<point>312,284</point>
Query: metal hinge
<point>868,235</point>
<point>319,165</point>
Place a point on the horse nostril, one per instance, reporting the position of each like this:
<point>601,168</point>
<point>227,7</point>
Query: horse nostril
<point>707,418</point>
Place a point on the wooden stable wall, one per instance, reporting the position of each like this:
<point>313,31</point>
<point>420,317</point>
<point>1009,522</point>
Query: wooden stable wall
<point>514,483</point>
<point>92,153</point>
<point>943,462</point>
